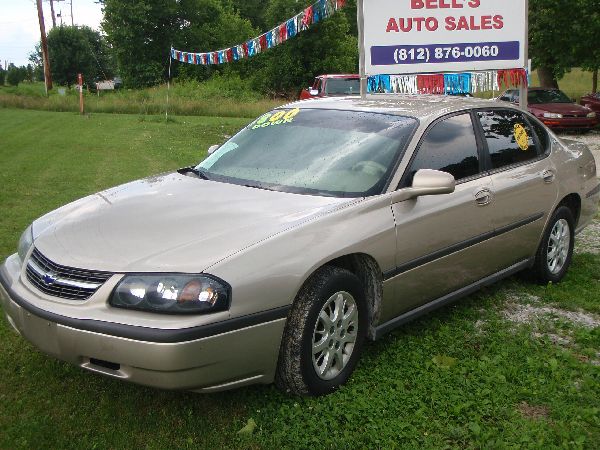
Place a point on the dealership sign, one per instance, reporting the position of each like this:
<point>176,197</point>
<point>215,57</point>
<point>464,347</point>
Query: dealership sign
<point>420,36</point>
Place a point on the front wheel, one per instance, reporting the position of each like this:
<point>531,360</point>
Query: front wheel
<point>555,252</point>
<point>324,335</point>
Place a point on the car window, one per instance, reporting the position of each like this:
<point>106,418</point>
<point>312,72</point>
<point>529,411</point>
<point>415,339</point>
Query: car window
<point>450,146</point>
<point>510,96</point>
<point>547,96</point>
<point>317,85</point>
<point>342,86</point>
<point>508,136</point>
<point>313,151</point>
<point>542,136</point>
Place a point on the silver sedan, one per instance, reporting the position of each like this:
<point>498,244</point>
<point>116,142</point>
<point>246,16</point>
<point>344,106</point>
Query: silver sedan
<point>319,225</point>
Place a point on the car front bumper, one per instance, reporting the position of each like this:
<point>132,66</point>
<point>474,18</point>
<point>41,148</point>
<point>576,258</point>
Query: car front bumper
<point>570,123</point>
<point>221,358</point>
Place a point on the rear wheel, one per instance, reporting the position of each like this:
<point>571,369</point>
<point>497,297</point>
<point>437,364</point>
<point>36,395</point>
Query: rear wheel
<point>324,335</point>
<point>555,252</point>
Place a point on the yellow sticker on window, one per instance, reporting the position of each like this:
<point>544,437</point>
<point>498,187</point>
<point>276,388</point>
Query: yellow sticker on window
<point>521,137</point>
<point>279,117</point>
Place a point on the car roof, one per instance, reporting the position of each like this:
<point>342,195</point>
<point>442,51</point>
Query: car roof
<point>340,75</point>
<point>419,106</point>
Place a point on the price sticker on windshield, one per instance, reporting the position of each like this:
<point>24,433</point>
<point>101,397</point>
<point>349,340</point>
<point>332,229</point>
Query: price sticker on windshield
<point>521,137</point>
<point>279,117</point>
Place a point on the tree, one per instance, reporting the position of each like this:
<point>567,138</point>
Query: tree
<point>16,75</point>
<point>330,46</point>
<point>588,51</point>
<point>564,34</point>
<point>74,50</point>
<point>253,10</point>
<point>142,31</point>
<point>2,76</point>
<point>551,38</point>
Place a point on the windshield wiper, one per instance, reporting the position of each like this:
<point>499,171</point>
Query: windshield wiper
<point>199,173</point>
<point>258,187</point>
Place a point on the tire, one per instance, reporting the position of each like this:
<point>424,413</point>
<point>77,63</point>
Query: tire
<point>549,266</point>
<point>307,346</point>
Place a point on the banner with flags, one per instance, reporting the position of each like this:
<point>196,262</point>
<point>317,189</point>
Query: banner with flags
<point>449,83</point>
<point>315,13</point>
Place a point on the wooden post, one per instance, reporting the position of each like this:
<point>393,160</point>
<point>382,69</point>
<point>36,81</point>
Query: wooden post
<point>80,82</point>
<point>47,73</point>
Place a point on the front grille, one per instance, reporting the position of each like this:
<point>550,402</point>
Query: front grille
<point>63,282</point>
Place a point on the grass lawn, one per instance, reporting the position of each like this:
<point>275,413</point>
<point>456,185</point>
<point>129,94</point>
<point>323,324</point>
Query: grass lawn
<point>219,97</point>
<point>499,369</point>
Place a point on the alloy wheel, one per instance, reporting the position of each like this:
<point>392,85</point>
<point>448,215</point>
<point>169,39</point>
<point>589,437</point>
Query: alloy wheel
<point>334,335</point>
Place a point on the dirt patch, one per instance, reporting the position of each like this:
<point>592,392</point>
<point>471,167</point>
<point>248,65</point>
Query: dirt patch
<point>548,322</point>
<point>532,412</point>
<point>530,314</point>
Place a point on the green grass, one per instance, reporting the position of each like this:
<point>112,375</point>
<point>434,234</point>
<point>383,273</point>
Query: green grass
<point>398,398</point>
<point>218,97</point>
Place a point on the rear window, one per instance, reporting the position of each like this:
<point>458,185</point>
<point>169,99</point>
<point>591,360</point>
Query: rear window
<point>508,136</point>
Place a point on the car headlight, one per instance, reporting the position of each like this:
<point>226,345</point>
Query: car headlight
<point>591,115</point>
<point>172,294</point>
<point>25,243</point>
<point>552,116</point>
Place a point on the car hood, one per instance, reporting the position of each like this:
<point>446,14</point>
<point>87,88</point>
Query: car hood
<point>171,223</point>
<point>561,108</point>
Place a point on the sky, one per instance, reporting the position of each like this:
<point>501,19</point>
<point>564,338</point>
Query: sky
<point>20,29</point>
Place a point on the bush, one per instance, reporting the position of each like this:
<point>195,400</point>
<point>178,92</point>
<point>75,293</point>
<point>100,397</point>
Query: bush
<point>15,75</point>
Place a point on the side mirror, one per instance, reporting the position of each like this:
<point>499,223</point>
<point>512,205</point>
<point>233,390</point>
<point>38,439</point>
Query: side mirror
<point>313,92</point>
<point>212,149</point>
<point>426,182</point>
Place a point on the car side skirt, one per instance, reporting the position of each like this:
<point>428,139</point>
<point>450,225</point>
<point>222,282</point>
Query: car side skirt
<point>449,298</point>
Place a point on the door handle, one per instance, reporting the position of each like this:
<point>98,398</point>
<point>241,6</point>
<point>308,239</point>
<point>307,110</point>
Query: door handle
<point>483,197</point>
<point>548,176</point>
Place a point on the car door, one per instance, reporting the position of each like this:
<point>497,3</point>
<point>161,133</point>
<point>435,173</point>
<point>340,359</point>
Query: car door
<point>441,239</point>
<point>523,180</point>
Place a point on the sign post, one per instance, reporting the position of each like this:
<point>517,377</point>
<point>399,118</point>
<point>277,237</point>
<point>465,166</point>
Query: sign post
<point>441,36</point>
<point>80,83</point>
<point>361,48</point>
<point>523,89</point>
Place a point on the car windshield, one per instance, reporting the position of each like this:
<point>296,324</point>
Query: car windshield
<point>313,151</point>
<point>342,86</point>
<point>549,96</point>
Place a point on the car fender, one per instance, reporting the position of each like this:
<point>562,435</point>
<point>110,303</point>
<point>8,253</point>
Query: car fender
<point>269,274</point>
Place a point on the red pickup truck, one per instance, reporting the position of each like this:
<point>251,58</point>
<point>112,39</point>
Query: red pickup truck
<point>332,86</point>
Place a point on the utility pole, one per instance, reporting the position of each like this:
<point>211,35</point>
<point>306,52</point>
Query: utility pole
<point>47,74</point>
<point>53,15</point>
<point>72,21</point>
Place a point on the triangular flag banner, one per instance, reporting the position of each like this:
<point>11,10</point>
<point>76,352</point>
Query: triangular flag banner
<point>318,11</point>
